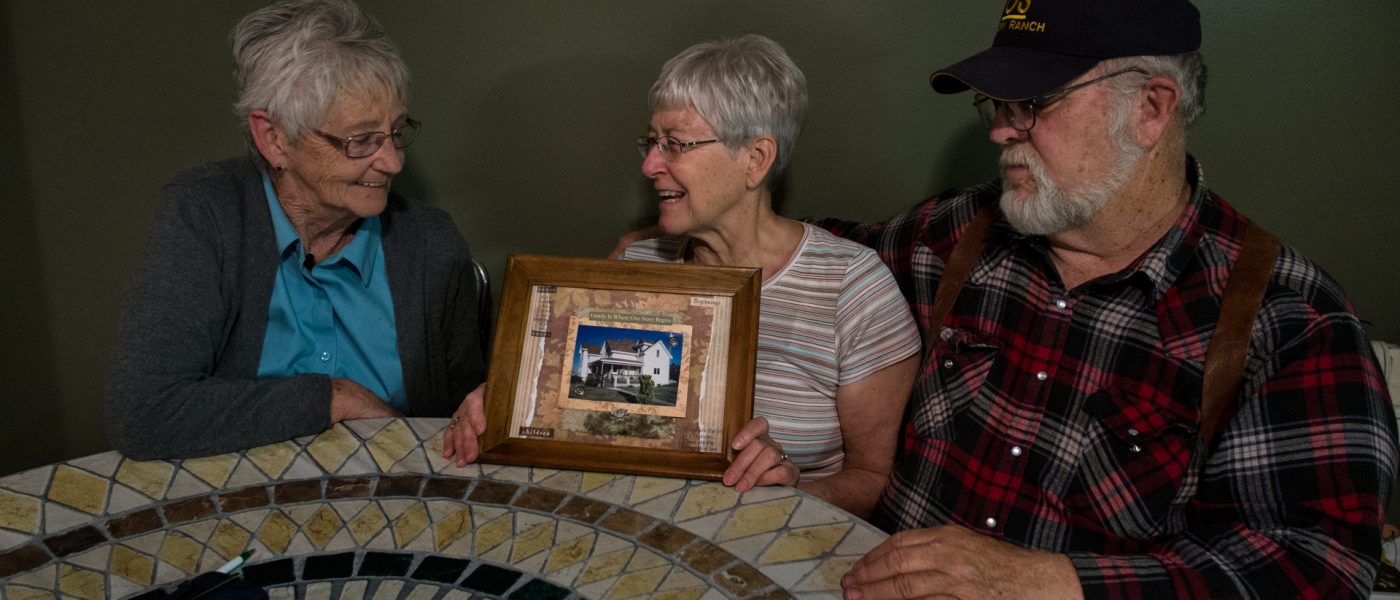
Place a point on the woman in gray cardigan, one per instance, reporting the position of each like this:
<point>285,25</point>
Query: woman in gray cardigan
<point>290,290</point>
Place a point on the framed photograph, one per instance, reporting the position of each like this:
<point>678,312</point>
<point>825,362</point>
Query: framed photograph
<point>621,366</point>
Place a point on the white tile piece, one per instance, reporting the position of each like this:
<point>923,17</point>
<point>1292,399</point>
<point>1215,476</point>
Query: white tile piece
<point>663,507</point>
<point>388,590</point>
<point>244,474</point>
<point>45,577</point>
<point>749,548</point>
<point>814,512</point>
<point>123,499</point>
<point>789,574</point>
<point>303,467</point>
<point>320,590</point>
<point>58,519</point>
<point>706,526</point>
<point>11,539</point>
<point>186,484</point>
<point>33,482</point>
<point>353,590</point>
<point>103,465</point>
<point>359,463</point>
<point>859,540</point>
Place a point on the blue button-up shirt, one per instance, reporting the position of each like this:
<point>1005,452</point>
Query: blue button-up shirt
<point>335,318</point>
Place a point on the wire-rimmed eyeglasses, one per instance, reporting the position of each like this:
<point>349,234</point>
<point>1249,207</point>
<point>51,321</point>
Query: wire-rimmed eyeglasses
<point>366,144</point>
<point>1021,113</point>
<point>669,147</point>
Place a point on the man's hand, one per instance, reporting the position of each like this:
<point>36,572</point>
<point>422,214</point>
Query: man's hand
<point>468,423</point>
<point>350,401</point>
<point>954,562</point>
<point>761,460</point>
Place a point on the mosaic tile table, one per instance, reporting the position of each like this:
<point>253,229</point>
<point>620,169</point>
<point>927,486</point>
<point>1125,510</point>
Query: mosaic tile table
<point>369,509</point>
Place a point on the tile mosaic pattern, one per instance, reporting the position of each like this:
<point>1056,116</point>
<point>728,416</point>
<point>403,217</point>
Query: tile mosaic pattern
<point>369,509</point>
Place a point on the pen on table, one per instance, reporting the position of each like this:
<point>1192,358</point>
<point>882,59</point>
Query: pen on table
<point>236,562</point>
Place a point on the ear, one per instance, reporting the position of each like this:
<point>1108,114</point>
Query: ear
<point>1156,109</point>
<point>762,152</point>
<point>269,138</point>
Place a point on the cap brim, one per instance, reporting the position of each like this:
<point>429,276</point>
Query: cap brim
<point>1011,73</point>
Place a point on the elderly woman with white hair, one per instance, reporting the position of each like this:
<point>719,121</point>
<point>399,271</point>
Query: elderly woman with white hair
<point>837,346</point>
<point>291,289</point>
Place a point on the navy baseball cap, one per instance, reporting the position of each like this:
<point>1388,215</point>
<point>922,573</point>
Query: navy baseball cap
<point>1041,45</point>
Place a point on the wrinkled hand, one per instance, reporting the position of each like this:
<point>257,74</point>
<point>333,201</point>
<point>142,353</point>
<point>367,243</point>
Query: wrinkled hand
<point>350,401</point>
<point>761,460</point>
<point>468,423</point>
<point>636,235</point>
<point>955,562</point>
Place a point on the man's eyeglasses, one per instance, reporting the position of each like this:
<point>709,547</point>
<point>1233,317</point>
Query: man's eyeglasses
<point>365,144</point>
<point>1022,113</point>
<point>669,147</point>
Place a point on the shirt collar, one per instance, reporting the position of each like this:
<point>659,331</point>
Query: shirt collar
<point>1157,268</point>
<point>360,254</point>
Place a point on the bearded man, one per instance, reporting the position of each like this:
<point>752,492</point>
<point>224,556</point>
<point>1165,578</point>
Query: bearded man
<point>1128,390</point>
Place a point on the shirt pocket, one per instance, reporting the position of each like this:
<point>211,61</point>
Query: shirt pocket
<point>1139,464</point>
<point>951,379</point>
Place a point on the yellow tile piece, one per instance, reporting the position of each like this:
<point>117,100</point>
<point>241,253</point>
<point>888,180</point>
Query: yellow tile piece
<point>332,447</point>
<point>706,500</point>
<point>367,524</point>
<point>455,527</point>
<point>593,481</point>
<point>150,477</point>
<point>605,566</point>
<point>391,444</point>
<point>569,554</point>
<point>804,544</point>
<point>827,577</point>
<point>214,470</point>
<point>14,592</point>
<point>131,565</point>
<point>323,526</point>
<point>229,540</point>
<point>757,518</point>
<point>179,550</point>
<point>532,542</point>
<point>647,488</point>
<point>276,532</point>
<point>273,459</point>
<point>493,534</point>
<point>411,523</point>
<point>78,489</point>
<point>636,584</point>
<point>20,513</point>
<point>81,583</point>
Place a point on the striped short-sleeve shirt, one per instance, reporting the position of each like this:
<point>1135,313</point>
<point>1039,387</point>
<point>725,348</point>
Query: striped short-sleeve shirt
<point>831,317</point>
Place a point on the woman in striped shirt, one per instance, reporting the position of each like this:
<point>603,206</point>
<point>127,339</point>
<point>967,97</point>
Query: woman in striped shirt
<point>837,348</point>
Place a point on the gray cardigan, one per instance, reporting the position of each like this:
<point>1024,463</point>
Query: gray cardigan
<point>184,375</point>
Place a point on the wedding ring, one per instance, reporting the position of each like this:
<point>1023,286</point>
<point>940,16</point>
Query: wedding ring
<point>453,424</point>
<point>782,460</point>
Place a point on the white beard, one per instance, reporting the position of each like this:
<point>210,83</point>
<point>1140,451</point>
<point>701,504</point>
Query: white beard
<point>1052,209</point>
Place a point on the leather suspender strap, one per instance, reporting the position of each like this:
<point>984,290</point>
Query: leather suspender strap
<point>1229,345</point>
<point>955,272</point>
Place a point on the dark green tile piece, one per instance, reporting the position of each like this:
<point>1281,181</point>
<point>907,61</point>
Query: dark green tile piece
<point>385,564</point>
<point>188,510</point>
<point>582,509</point>
<point>667,538</point>
<point>490,579</point>
<point>349,487</point>
<point>537,589</point>
<point>446,487</point>
<point>77,540</point>
<point>21,560</point>
<point>492,492</point>
<point>627,521</point>
<point>541,499</point>
<point>276,572</point>
<point>398,485</point>
<point>244,499</point>
<point>297,491</point>
<point>134,523</point>
<point>742,580</point>
<point>334,566</point>
<point>441,569</point>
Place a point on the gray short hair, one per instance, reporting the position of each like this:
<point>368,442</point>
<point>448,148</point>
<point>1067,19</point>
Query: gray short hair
<point>743,87</point>
<point>1187,70</point>
<point>296,57</point>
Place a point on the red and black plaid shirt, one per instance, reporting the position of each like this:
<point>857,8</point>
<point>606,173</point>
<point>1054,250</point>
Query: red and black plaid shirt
<point>1067,420</point>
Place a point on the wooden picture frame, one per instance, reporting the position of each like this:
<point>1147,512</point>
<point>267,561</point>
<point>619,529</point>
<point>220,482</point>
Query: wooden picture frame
<point>621,366</point>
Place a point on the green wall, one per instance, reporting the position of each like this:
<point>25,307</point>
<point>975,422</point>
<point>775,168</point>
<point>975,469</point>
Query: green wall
<point>530,108</point>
